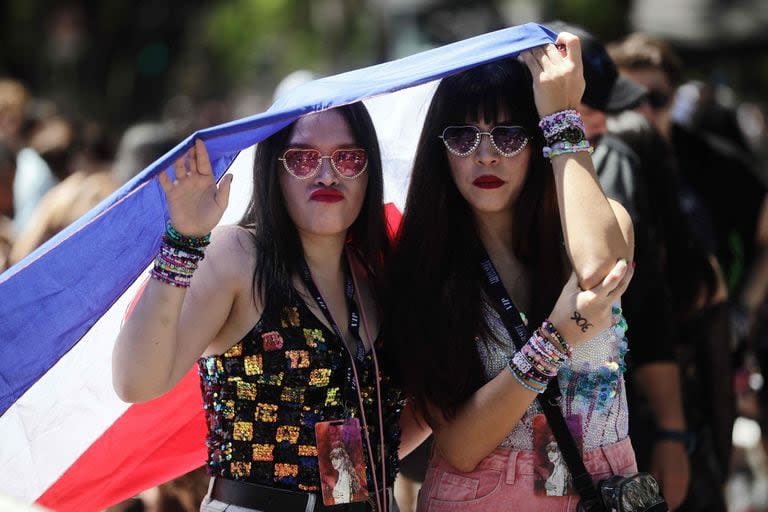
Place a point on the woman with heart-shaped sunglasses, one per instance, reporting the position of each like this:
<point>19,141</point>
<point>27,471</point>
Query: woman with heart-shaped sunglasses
<point>504,213</point>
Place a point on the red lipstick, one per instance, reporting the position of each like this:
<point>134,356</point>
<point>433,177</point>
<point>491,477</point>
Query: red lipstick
<point>488,181</point>
<point>327,195</point>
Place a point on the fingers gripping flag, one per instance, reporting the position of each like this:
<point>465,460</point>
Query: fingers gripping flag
<point>68,442</point>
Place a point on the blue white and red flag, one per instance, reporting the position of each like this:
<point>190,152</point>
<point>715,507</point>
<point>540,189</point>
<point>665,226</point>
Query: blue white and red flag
<point>66,441</point>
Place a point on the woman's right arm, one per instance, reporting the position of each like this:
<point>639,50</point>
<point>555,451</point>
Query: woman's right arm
<point>170,326</point>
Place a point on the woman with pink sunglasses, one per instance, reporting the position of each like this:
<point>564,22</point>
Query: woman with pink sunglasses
<point>504,213</point>
<point>280,314</point>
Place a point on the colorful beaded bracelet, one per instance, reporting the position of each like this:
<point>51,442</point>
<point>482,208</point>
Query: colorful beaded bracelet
<point>548,327</point>
<point>184,241</point>
<point>557,121</point>
<point>565,147</point>
<point>178,257</point>
<point>523,381</point>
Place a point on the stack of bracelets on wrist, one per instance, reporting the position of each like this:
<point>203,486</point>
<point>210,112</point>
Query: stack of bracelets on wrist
<point>539,360</point>
<point>565,133</point>
<point>178,258</point>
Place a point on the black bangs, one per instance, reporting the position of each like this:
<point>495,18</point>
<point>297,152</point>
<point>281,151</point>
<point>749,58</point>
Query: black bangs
<point>498,91</point>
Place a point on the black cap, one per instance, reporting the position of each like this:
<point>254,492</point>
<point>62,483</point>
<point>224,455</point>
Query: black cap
<point>606,89</point>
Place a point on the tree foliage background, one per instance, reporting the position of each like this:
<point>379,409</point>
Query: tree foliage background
<point>121,61</point>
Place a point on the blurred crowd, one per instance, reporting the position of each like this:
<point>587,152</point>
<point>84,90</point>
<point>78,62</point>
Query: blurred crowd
<point>55,166</point>
<point>689,161</point>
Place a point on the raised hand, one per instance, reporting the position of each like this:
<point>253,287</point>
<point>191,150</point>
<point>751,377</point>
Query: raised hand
<point>558,76</point>
<point>195,203</point>
<point>581,314</point>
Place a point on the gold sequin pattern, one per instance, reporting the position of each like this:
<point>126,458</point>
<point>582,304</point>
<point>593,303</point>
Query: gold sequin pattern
<point>288,433</point>
<point>298,358</point>
<point>253,365</point>
<point>332,397</point>
<point>263,397</point>
<point>286,470</point>
<point>235,351</point>
<point>240,469</point>
<point>307,450</point>
<point>320,377</point>
<point>271,380</point>
<point>290,317</point>
<point>266,413</point>
<point>242,431</point>
<point>246,390</point>
<point>263,452</point>
<point>293,395</point>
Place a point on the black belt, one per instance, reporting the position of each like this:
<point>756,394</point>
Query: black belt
<point>272,499</point>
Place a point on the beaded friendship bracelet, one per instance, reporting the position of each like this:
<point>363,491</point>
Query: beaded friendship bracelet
<point>524,381</point>
<point>558,122</point>
<point>548,328</point>
<point>562,148</point>
<point>184,241</point>
<point>538,361</point>
<point>178,257</point>
<point>564,132</point>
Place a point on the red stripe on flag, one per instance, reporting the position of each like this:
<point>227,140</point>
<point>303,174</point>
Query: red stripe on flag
<point>394,217</point>
<point>149,444</point>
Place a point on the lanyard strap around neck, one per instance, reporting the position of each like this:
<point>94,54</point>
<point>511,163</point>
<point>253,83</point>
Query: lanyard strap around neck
<point>349,294</point>
<point>549,400</point>
<point>354,331</point>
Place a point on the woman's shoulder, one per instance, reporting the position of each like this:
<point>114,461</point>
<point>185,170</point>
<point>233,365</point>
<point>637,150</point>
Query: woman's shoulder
<point>231,251</point>
<point>233,238</point>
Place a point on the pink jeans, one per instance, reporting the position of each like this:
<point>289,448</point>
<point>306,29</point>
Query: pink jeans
<point>504,481</point>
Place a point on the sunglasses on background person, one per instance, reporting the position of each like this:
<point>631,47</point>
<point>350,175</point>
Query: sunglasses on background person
<point>304,163</point>
<point>464,140</point>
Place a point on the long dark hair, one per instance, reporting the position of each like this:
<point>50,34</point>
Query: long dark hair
<point>436,301</point>
<point>276,240</point>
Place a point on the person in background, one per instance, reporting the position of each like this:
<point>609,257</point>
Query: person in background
<point>7,172</point>
<point>719,172</point>
<point>60,207</point>
<point>667,412</point>
<point>14,98</point>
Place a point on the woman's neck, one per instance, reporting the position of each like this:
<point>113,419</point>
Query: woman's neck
<point>323,254</point>
<point>495,232</point>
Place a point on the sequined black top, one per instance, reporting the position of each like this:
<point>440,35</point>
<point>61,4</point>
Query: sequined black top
<point>263,397</point>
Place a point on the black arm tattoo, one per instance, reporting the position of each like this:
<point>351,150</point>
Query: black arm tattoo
<point>581,321</point>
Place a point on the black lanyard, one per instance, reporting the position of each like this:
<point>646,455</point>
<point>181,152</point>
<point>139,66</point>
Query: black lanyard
<point>509,312</point>
<point>349,293</point>
<point>354,331</point>
<point>549,400</point>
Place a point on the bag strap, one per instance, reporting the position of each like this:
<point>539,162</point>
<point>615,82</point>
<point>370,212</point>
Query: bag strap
<point>550,399</point>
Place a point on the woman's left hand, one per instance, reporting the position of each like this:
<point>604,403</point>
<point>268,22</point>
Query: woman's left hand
<point>558,76</point>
